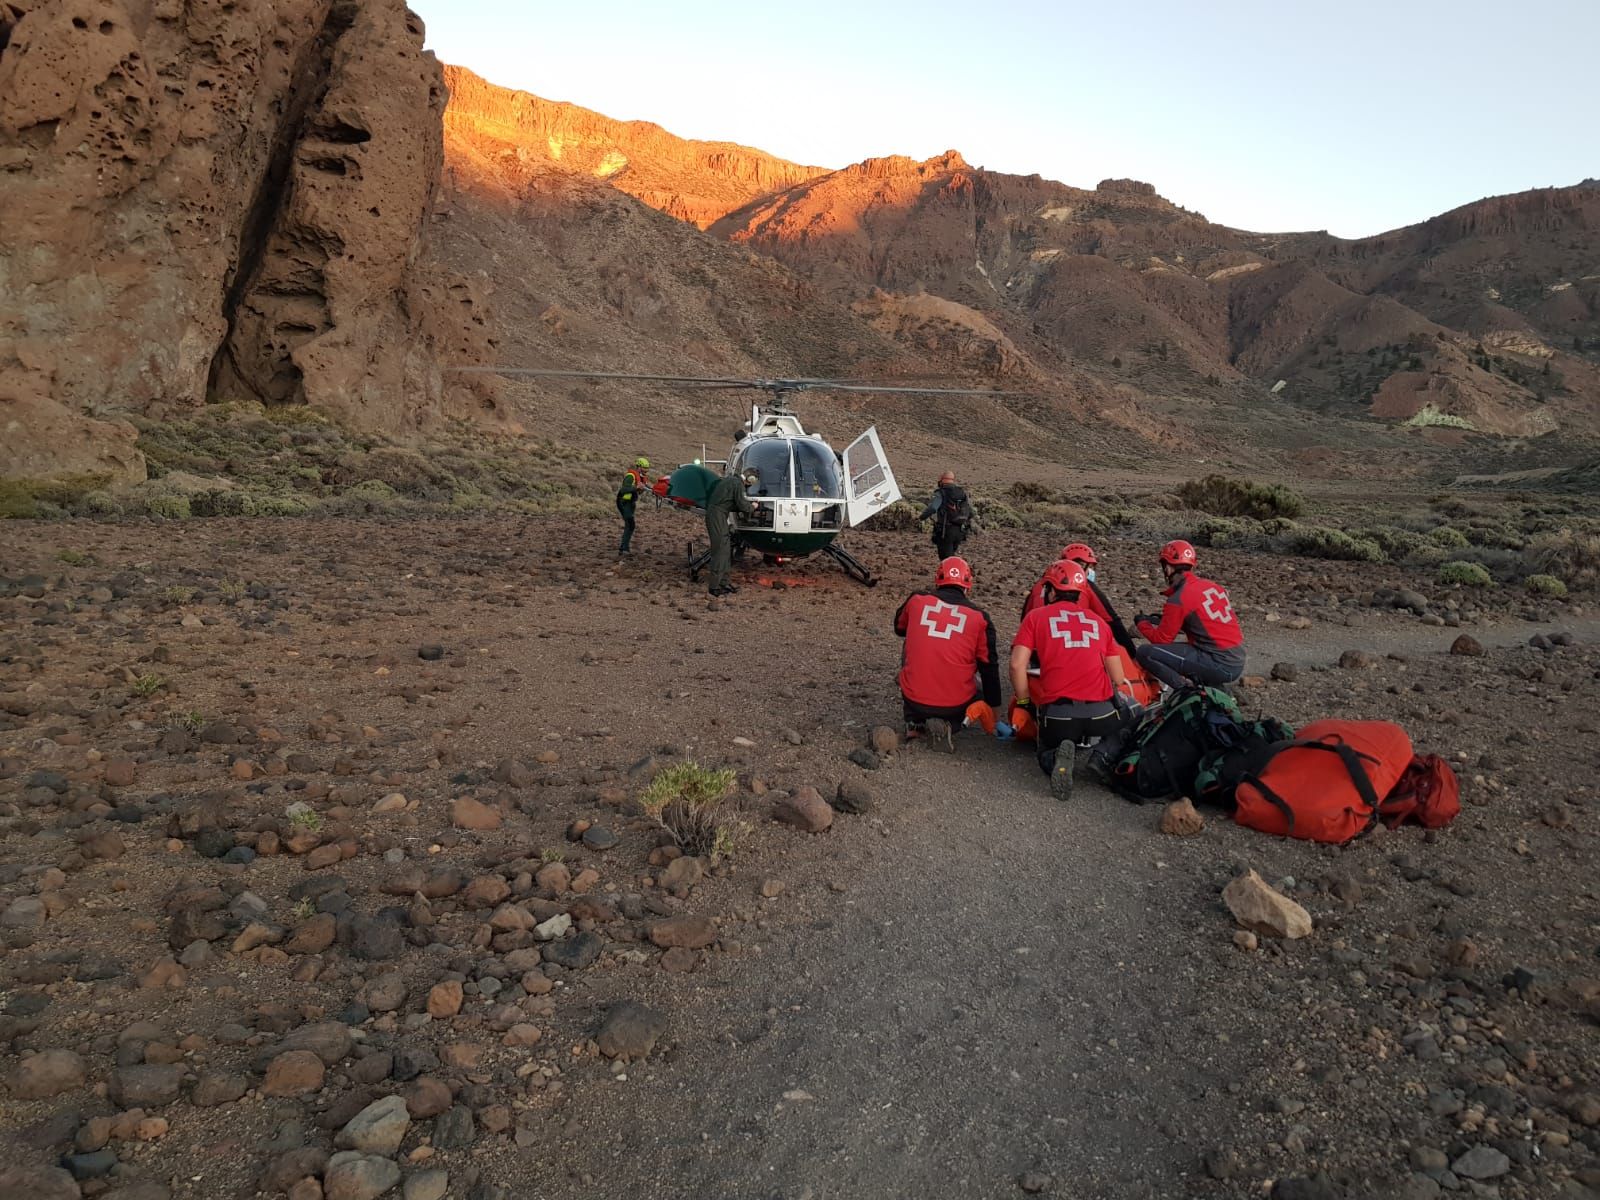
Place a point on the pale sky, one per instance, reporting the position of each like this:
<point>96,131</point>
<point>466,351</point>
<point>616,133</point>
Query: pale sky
<point>1354,116</point>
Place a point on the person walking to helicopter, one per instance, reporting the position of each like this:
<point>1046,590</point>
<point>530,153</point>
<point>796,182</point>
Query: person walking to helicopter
<point>951,511</point>
<point>1199,611</point>
<point>1079,674</point>
<point>949,672</point>
<point>726,498</point>
<point>635,480</point>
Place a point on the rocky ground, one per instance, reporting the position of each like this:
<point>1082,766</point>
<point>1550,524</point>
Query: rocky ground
<point>322,873</point>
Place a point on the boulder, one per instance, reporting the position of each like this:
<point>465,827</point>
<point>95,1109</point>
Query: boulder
<point>691,933</point>
<point>630,1030</point>
<point>1180,819</point>
<point>806,810</point>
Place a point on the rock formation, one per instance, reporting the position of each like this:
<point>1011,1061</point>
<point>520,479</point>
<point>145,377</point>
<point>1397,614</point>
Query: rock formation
<point>215,200</point>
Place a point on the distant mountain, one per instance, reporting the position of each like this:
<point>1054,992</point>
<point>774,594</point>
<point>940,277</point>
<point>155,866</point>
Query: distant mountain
<point>1485,319</point>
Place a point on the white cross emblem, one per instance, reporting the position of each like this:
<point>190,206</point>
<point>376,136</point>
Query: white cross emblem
<point>944,620</point>
<point>1217,605</point>
<point>1061,628</point>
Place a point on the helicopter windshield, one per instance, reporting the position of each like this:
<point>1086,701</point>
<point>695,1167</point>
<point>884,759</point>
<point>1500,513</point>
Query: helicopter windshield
<point>770,456</point>
<point>817,471</point>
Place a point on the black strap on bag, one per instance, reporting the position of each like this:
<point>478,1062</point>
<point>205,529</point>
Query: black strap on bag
<point>1347,755</point>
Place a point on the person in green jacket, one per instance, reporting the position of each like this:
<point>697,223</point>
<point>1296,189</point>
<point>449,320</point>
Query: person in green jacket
<point>636,480</point>
<point>727,498</point>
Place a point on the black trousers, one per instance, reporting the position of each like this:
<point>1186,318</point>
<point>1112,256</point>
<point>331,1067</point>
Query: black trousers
<point>1076,721</point>
<point>947,539</point>
<point>917,714</point>
<point>626,507</point>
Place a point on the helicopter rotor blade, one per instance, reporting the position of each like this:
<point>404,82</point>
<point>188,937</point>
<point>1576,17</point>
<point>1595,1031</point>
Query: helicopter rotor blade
<point>707,382</point>
<point>544,373</point>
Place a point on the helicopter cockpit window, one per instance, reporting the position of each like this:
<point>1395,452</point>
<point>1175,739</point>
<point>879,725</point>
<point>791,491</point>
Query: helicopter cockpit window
<point>771,457</point>
<point>817,472</point>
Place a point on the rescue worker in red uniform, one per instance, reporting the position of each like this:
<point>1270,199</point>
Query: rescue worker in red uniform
<point>1092,599</point>
<point>1075,694</point>
<point>949,671</point>
<point>1198,609</point>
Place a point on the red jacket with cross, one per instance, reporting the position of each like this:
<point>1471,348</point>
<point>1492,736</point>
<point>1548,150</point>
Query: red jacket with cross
<point>949,644</point>
<point>1200,610</point>
<point>1072,646</point>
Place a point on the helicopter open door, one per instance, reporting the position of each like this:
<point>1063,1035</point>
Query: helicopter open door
<point>869,485</point>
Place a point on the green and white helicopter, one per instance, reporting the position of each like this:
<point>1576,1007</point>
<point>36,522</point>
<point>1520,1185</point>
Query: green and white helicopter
<point>807,493</point>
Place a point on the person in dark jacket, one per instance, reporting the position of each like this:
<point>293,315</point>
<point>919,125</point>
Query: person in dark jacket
<point>727,498</point>
<point>634,481</point>
<point>949,671</point>
<point>951,511</point>
<point>1199,611</point>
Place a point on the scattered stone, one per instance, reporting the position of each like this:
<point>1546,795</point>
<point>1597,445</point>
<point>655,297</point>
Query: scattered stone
<point>883,740</point>
<point>428,1097</point>
<point>453,1129</point>
<point>554,878</point>
<point>574,953</point>
<point>1481,1162</point>
<point>38,1183</point>
<point>689,933</point>
<point>1285,672</point>
<point>1467,646</point>
<point>45,1074</point>
<point>468,813</point>
<point>432,652</point>
<point>1180,819</point>
<point>853,797</point>
<point>1034,1182</point>
<point>146,1086</point>
<point>806,810</point>
<point>865,759</point>
<point>218,1087</point>
<point>1257,907</point>
<point>681,874</point>
<point>1357,660</point>
<point>598,837</point>
<point>630,1031</point>
<point>444,999</point>
<point>379,1128</point>
<point>431,1184</point>
<point>771,888</point>
<point>557,926</point>
<point>293,1073</point>
<point>25,912</point>
<point>355,1176</point>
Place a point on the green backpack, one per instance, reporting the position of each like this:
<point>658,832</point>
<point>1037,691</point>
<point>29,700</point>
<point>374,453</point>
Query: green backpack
<point>1191,730</point>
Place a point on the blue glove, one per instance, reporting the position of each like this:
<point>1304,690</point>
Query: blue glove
<point>1003,732</point>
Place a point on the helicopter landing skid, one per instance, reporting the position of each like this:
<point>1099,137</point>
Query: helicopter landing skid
<point>853,566</point>
<point>697,562</point>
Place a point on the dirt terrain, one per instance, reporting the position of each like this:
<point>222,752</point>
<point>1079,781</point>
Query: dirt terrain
<point>244,888</point>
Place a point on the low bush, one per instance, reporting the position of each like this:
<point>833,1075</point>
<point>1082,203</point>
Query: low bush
<point>1570,555</point>
<point>897,518</point>
<point>1225,497</point>
<point>1317,541</point>
<point>1449,537</point>
<point>1467,574</point>
<point>1545,585</point>
<point>687,800</point>
<point>1228,533</point>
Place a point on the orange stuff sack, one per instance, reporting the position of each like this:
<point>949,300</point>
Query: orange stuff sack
<point>1428,793</point>
<point>1327,784</point>
<point>1142,687</point>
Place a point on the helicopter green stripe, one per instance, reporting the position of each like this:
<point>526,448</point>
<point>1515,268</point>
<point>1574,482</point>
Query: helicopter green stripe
<point>796,545</point>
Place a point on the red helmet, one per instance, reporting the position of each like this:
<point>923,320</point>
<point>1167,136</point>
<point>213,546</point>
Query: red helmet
<point>1078,552</point>
<point>953,572</point>
<point>1066,576</point>
<point>1178,554</point>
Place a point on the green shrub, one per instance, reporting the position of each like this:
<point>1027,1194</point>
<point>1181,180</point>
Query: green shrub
<point>281,506</point>
<point>1468,574</point>
<point>1545,585</point>
<point>687,799</point>
<point>100,504</point>
<point>1571,555</point>
<point>1317,541</point>
<point>1024,492</point>
<point>1449,537</point>
<point>997,515</point>
<point>1224,497</point>
<point>1228,532</point>
<point>170,505</point>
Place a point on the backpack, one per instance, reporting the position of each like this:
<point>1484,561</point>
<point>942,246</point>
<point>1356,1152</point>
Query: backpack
<point>1327,784</point>
<point>1427,793</point>
<point>1220,772</point>
<point>1162,754</point>
<point>956,511</point>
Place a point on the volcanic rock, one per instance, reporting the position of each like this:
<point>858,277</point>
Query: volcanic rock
<point>630,1030</point>
<point>1259,908</point>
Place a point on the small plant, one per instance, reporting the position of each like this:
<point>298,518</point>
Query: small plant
<point>1546,585</point>
<point>1224,497</point>
<point>553,854</point>
<point>304,818</point>
<point>686,799</point>
<point>193,720</point>
<point>304,910</point>
<point>1570,555</point>
<point>148,685</point>
<point>1467,574</point>
<point>73,558</point>
<point>232,589</point>
<point>1448,536</point>
<point>180,595</point>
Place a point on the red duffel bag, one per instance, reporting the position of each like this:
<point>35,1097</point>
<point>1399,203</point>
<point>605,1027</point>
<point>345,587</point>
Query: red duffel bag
<point>1326,785</point>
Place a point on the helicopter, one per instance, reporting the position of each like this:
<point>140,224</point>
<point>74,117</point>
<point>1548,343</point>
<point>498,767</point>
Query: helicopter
<point>807,493</point>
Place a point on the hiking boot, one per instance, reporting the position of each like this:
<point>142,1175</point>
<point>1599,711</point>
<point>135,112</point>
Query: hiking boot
<point>1098,768</point>
<point>1061,773</point>
<point>940,735</point>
